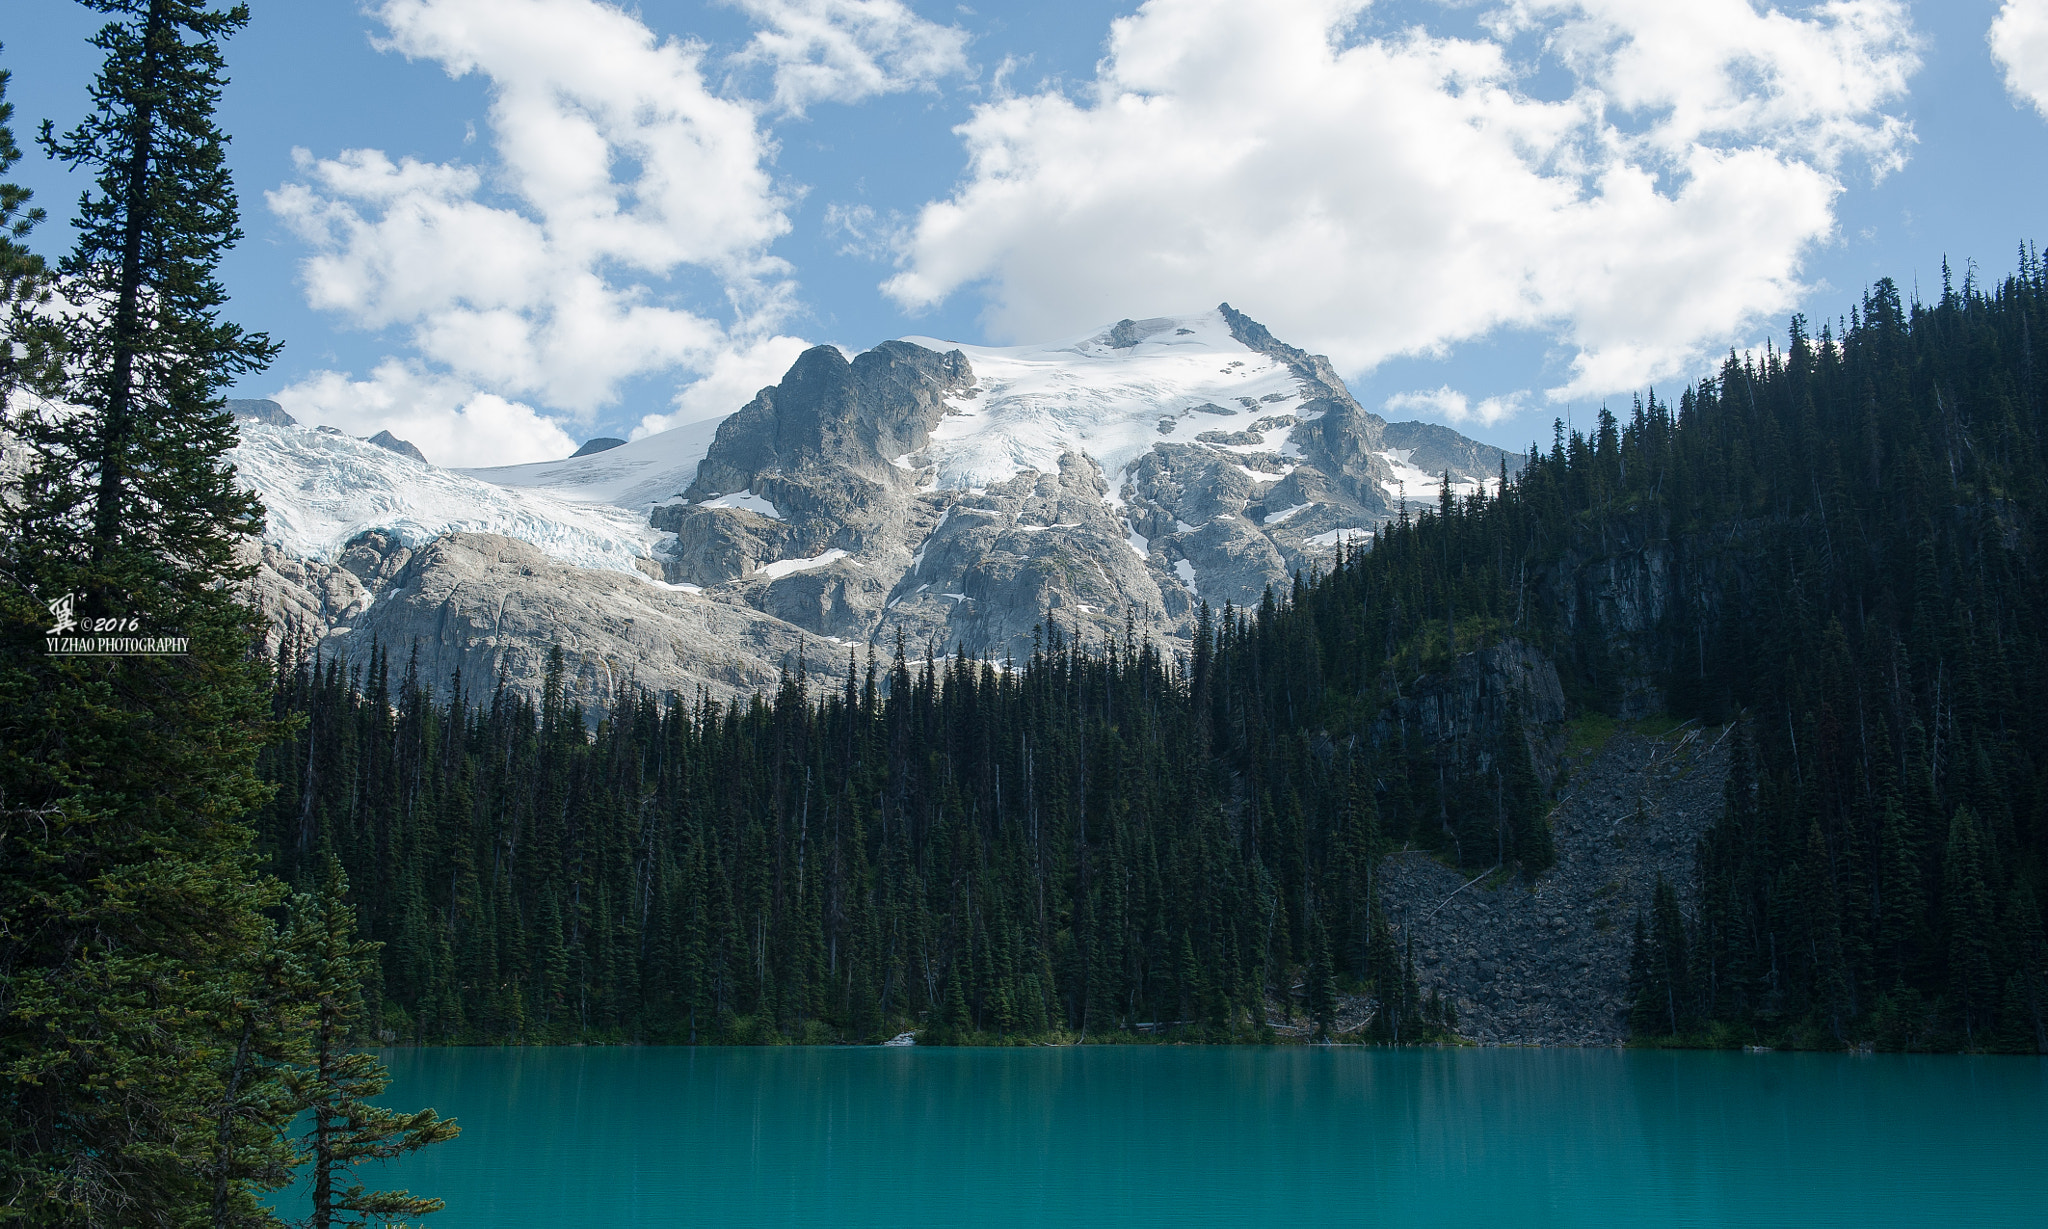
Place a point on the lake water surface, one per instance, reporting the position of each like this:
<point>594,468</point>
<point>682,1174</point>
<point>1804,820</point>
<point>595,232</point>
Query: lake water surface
<point>1167,1136</point>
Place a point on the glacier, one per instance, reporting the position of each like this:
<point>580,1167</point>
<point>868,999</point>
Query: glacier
<point>322,489</point>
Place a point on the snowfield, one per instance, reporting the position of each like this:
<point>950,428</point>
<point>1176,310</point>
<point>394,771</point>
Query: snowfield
<point>323,488</point>
<point>635,476</point>
<point>1033,403</point>
<point>1418,487</point>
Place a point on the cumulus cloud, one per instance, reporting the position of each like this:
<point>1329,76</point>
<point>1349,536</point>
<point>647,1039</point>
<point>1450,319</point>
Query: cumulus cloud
<point>733,379</point>
<point>549,273</point>
<point>449,421</point>
<point>2019,42</point>
<point>847,50</point>
<point>1394,195</point>
<point>1453,406</point>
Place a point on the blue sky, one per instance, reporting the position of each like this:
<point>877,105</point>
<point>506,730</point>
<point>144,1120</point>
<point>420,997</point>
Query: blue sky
<point>497,227</point>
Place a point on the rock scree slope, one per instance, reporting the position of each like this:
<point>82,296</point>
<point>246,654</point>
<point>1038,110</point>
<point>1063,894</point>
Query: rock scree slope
<point>1545,962</point>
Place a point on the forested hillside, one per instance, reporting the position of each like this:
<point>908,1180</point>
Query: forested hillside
<point>1836,543</point>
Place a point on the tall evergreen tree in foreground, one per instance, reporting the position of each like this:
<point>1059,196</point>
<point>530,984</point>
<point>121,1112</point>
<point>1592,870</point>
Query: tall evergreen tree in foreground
<point>146,1001</point>
<point>127,884</point>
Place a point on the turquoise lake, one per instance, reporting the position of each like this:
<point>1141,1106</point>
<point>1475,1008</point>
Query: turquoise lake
<point>1169,1136</point>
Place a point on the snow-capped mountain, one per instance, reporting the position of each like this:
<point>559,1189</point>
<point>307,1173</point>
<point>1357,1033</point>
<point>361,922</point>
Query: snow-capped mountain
<point>960,495</point>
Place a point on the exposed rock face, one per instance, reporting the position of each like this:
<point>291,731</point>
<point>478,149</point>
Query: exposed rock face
<point>260,410</point>
<point>1471,702</point>
<point>1434,448</point>
<point>602,443</point>
<point>1547,962</point>
<point>391,443</point>
<point>483,603</point>
<point>817,505</point>
<point>829,417</point>
<point>1615,602</point>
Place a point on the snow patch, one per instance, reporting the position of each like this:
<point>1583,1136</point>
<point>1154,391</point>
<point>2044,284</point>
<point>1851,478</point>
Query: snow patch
<point>1274,518</point>
<point>1186,571</point>
<point>788,567</point>
<point>1261,475</point>
<point>917,561</point>
<point>1419,486</point>
<point>636,475</point>
<point>746,501</point>
<point>1327,541</point>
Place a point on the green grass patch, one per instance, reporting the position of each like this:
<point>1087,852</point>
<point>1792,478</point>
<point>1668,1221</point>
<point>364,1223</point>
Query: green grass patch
<point>1427,649</point>
<point>1659,725</point>
<point>1499,878</point>
<point>1587,734</point>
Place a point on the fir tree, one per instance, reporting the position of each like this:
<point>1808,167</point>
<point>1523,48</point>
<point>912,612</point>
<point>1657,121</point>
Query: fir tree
<point>130,898</point>
<point>1661,967</point>
<point>336,1081</point>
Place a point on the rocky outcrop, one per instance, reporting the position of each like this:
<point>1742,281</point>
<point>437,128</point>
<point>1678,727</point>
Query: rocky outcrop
<point>1434,449</point>
<point>1471,702</point>
<point>483,603</point>
<point>404,448</point>
<point>1545,962</point>
<point>252,409</point>
<point>597,444</point>
<point>996,563</point>
<point>830,417</point>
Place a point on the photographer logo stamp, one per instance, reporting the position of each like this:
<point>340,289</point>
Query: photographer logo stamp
<point>71,635</point>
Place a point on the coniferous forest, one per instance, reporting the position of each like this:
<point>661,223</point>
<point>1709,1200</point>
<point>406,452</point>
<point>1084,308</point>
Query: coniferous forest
<point>226,874</point>
<point>1108,840</point>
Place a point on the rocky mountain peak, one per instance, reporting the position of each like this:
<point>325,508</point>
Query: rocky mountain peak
<point>961,495</point>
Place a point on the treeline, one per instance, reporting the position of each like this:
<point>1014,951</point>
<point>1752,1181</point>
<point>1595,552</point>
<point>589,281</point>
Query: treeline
<point>1836,543</point>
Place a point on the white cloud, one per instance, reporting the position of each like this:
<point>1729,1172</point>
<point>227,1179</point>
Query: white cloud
<point>449,421</point>
<point>735,376</point>
<point>1395,195</point>
<point>1723,72</point>
<point>551,273</point>
<point>847,50</point>
<point>869,235</point>
<point>1453,406</point>
<point>2019,42</point>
